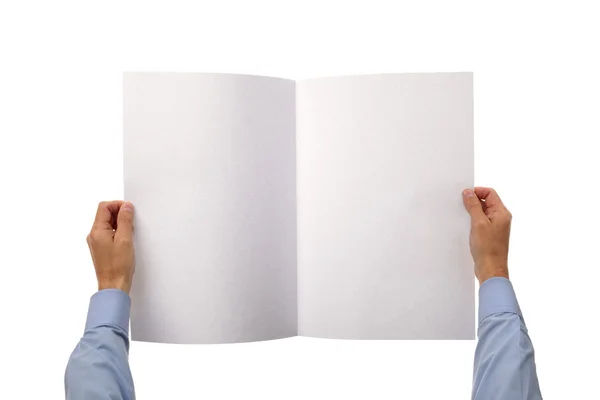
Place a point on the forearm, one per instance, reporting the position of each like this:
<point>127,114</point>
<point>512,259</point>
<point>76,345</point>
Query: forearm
<point>504,360</point>
<point>99,367</point>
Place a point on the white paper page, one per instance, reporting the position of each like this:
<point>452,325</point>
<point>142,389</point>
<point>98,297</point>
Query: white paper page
<point>209,164</point>
<point>382,234</point>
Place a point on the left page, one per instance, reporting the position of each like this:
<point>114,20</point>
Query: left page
<point>209,164</point>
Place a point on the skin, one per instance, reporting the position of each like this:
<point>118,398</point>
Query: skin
<point>490,232</point>
<point>111,239</point>
<point>111,245</point>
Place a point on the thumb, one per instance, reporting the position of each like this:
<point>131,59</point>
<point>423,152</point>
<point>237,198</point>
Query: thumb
<point>125,222</point>
<point>473,205</point>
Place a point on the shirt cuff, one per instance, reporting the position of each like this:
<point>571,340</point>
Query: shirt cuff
<point>109,307</point>
<point>496,295</point>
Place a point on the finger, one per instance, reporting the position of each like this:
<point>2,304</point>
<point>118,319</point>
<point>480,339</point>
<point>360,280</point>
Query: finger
<point>473,206</point>
<point>490,196</point>
<point>106,214</point>
<point>125,222</point>
<point>494,207</point>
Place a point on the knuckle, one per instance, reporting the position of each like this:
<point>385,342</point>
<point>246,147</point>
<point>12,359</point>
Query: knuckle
<point>505,215</point>
<point>471,205</point>
<point>93,236</point>
<point>480,224</point>
<point>124,241</point>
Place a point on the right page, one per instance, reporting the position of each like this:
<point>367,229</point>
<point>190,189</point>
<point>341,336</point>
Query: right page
<point>383,238</point>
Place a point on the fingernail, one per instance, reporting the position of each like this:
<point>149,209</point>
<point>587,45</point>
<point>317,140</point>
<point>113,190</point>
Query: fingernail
<point>468,193</point>
<point>127,207</point>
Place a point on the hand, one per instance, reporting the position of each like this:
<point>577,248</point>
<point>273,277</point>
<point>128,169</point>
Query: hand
<point>490,232</point>
<point>111,245</point>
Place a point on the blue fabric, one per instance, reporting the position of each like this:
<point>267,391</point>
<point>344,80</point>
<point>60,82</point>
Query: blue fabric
<point>99,365</point>
<point>504,359</point>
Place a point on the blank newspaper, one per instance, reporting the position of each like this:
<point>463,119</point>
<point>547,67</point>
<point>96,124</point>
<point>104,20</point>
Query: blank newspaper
<point>267,208</point>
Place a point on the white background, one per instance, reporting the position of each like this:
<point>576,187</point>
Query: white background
<point>537,121</point>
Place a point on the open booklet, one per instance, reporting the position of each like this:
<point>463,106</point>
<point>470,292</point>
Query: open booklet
<point>267,208</point>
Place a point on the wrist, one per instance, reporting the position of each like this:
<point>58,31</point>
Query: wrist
<point>484,273</point>
<point>121,284</point>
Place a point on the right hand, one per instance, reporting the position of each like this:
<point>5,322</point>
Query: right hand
<point>111,245</point>
<point>490,232</point>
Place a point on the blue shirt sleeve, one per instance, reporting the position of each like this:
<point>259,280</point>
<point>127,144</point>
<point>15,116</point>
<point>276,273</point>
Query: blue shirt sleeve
<point>99,366</point>
<point>504,359</point>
